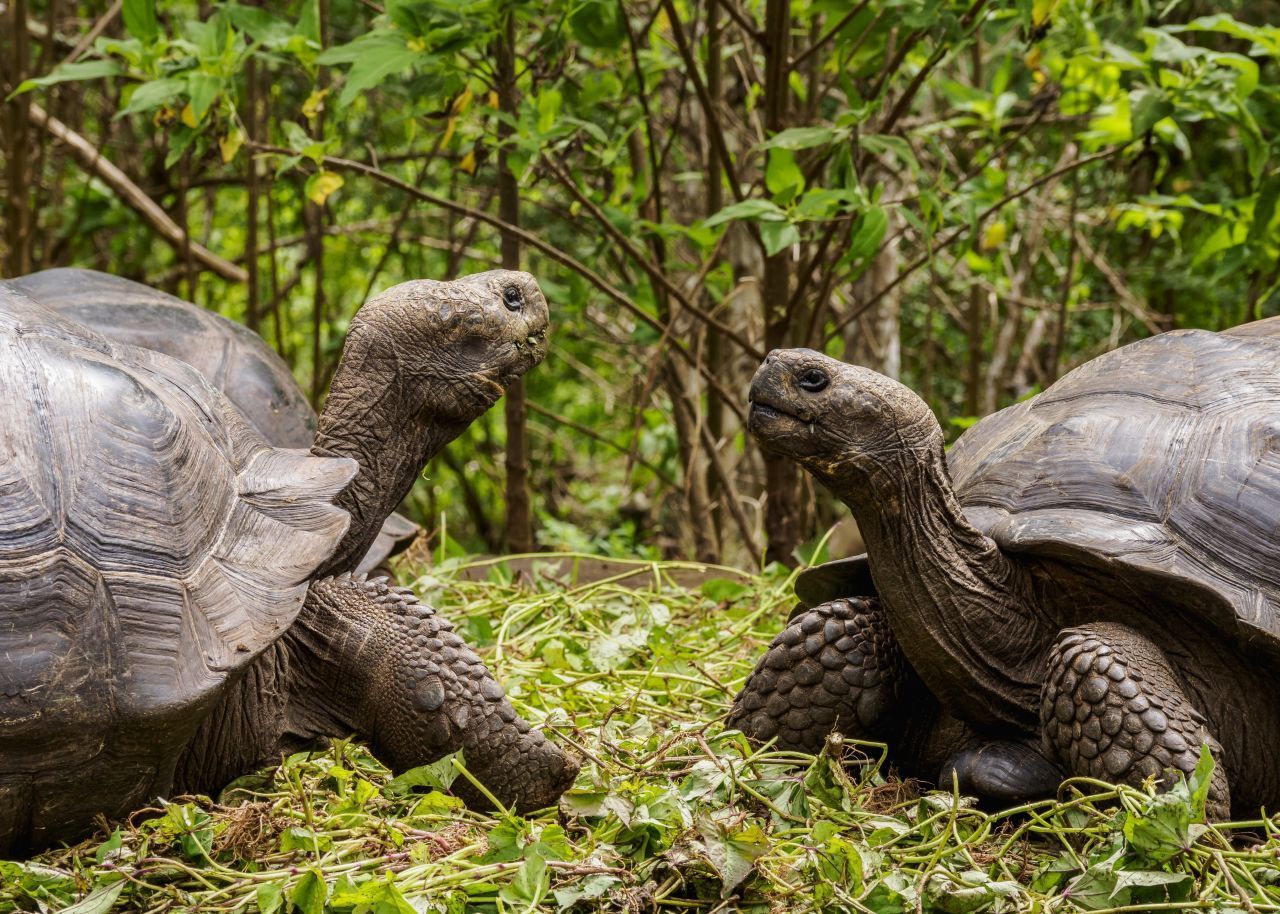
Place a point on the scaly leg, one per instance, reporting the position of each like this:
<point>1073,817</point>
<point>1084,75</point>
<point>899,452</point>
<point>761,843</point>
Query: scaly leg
<point>1113,708</point>
<point>836,667</point>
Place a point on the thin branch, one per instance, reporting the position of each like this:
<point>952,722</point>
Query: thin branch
<point>130,194</point>
<point>549,250</point>
<point>948,239</point>
<point>704,98</point>
<point>596,436</point>
<point>653,270</point>
<point>742,19</point>
<point>92,35</point>
<point>831,33</point>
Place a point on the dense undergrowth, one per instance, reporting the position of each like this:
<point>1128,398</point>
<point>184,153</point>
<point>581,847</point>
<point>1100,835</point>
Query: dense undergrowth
<point>669,814</point>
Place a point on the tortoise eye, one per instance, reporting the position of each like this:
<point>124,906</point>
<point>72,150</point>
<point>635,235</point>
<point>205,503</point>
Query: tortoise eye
<point>513,298</point>
<point>814,380</point>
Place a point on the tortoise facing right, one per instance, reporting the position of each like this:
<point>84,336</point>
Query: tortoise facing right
<point>231,357</point>
<point>177,605</point>
<point>1087,584</point>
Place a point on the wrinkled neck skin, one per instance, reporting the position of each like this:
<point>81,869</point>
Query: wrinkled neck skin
<point>958,605</point>
<point>376,417</point>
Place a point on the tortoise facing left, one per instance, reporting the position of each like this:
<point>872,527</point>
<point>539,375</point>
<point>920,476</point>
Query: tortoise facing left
<point>176,606</point>
<point>1087,584</point>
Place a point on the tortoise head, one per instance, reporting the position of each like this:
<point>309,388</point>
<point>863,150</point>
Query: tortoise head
<point>451,347</point>
<point>845,424</point>
<point>421,361</point>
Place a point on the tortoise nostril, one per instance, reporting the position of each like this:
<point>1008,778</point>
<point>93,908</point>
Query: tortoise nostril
<point>814,380</point>
<point>513,298</point>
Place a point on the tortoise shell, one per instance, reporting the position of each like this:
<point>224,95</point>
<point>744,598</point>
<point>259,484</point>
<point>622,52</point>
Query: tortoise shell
<point>1157,464</point>
<point>232,358</point>
<point>151,542</point>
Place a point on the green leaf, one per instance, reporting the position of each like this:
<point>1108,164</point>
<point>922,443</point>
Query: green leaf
<point>99,901</point>
<point>1200,782</point>
<point>1163,829</point>
<point>269,897</point>
<point>871,229</point>
<point>531,882</point>
<point>732,850</point>
<point>802,138</point>
<point>377,895</point>
<point>783,176</point>
<point>373,56</point>
<point>71,72</point>
<point>778,236</point>
<point>1264,209</point>
<point>203,90</point>
<point>1146,106</point>
<point>597,885</point>
<point>310,894</point>
<point>140,20</point>
<point>722,590</point>
<point>152,95</point>
<point>437,776</point>
<point>598,24</point>
<point>258,24</point>
<point>747,209</point>
<point>894,146</point>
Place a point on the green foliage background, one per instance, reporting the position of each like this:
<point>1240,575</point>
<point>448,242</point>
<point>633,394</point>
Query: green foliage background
<point>1002,190</point>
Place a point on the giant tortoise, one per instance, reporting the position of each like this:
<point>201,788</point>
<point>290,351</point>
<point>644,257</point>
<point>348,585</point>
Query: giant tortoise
<point>176,605</point>
<point>1087,584</point>
<point>232,358</point>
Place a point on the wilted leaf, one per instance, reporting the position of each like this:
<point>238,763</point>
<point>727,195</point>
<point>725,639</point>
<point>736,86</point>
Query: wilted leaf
<point>99,901</point>
<point>230,144</point>
<point>321,185</point>
<point>732,850</point>
<point>314,104</point>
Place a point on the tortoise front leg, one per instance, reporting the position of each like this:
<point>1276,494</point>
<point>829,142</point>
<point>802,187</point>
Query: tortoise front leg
<point>835,668</point>
<point>368,658</point>
<point>1113,708</point>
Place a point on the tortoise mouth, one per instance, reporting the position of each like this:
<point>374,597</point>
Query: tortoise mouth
<point>768,411</point>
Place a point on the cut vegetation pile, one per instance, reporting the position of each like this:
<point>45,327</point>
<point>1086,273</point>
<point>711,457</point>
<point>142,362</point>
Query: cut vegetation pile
<point>670,813</point>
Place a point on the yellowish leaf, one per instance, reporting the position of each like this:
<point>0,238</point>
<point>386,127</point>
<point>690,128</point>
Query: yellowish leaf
<point>493,99</point>
<point>1032,58</point>
<point>321,185</point>
<point>468,163</point>
<point>230,144</point>
<point>1041,10</point>
<point>461,103</point>
<point>417,45</point>
<point>448,131</point>
<point>314,103</point>
<point>994,236</point>
<point>189,116</point>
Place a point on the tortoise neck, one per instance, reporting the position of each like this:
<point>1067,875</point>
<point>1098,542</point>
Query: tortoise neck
<point>956,602</point>
<point>375,422</point>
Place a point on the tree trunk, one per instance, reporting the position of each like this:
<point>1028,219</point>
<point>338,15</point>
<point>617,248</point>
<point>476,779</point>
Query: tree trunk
<point>17,196</point>
<point>519,522</point>
<point>782,507</point>
<point>253,315</point>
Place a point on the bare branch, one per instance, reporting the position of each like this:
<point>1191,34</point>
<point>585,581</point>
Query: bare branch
<point>131,195</point>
